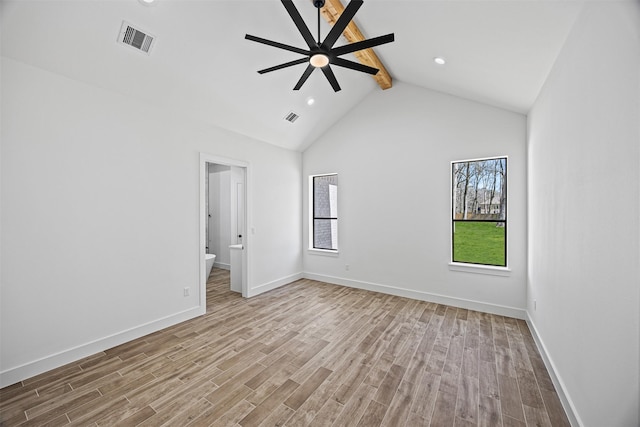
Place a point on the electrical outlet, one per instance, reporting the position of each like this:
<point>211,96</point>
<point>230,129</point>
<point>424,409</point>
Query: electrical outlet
<point>186,291</point>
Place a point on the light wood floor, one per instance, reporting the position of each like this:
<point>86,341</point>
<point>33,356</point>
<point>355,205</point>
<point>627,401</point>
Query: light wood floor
<point>308,353</point>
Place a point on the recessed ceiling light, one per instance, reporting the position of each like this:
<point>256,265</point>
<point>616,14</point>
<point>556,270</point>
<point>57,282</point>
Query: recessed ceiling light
<point>310,101</point>
<point>438,60</point>
<point>147,2</point>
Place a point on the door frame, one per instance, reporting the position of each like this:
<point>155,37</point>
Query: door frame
<point>246,271</point>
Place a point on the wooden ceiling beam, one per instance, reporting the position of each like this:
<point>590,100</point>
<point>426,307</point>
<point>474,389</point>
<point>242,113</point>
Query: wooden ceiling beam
<point>331,12</point>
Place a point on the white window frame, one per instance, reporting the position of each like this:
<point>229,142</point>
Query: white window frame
<point>311,249</point>
<point>470,267</point>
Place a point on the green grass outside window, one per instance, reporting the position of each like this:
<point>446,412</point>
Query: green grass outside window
<point>479,243</point>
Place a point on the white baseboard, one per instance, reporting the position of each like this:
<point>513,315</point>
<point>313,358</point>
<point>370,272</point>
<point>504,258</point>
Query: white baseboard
<point>31,369</point>
<point>422,296</point>
<point>222,265</point>
<point>566,401</point>
<point>273,285</point>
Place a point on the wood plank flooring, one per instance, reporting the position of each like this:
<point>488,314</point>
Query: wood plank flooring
<point>308,353</point>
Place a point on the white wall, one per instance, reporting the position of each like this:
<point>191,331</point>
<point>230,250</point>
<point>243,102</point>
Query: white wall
<point>392,154</point>
<point>100,217</point>
<point>584,215</point>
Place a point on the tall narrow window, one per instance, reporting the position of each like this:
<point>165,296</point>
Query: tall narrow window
<point>325,212</point>
<point>479,212</point>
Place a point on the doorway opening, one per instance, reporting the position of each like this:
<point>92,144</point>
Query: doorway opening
<point>223,219</point>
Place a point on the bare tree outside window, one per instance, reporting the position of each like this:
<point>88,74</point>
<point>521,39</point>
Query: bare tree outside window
<point>479,211</point>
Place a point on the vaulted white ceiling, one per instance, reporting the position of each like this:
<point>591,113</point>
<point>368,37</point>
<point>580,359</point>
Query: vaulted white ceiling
<point>497,52</point>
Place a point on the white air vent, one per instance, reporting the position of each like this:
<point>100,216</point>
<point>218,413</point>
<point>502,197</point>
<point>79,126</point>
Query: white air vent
<point>135,38</point>
<point>291,117</point>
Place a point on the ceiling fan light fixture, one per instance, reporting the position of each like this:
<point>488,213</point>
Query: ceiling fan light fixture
<point>319,60</point>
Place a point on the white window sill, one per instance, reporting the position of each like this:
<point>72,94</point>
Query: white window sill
<point>480,269</point>
<point>324,252</point>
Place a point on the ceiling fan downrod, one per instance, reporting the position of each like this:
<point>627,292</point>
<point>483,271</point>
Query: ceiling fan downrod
<point>319,4</point>
<point>315,3</point>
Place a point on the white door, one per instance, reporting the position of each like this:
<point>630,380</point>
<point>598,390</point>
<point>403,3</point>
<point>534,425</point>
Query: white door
<point>238,231</point>
<point>237,205</point>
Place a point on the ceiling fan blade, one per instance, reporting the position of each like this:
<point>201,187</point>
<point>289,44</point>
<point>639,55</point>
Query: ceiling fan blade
<point>331,77</point>
<point>297,19</point>
<point>354,66</point>
<point>304,77</point>
<point>276,44</point>
<point>364,44</point>
<point>345,17</point>
<point>285,65</point>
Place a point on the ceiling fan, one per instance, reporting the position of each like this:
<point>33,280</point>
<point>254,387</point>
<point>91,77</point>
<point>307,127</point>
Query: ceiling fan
<point>322,54</point>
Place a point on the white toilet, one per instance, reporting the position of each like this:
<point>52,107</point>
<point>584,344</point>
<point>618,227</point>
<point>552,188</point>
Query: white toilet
<point>210,258</point>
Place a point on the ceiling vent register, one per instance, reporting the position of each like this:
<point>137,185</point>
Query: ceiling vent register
<point>135,38</point>
<point>291,117</point>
